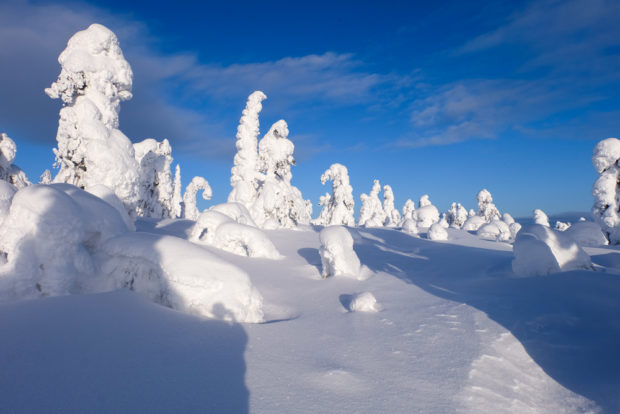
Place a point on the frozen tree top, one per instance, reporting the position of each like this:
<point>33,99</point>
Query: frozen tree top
<point>606,153</point>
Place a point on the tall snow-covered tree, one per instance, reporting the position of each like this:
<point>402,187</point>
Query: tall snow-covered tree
<point>606,189</point>
<point>244,174</point>
<point>94,79</point>
<point>392,216</point>
<point>10,172</point>
<point>177,199</point>
<point>339,209</point>
<point>190,211</point>
<point>371,212</point>
<point>155,185</point>
<point>486,208</point>
<point>408,211</point>
<point>277,200</point>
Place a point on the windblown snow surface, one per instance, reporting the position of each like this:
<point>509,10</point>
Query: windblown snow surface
<point>456,331</point>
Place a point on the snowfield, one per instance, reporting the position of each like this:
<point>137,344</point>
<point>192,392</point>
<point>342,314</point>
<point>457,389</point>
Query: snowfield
<point>454,330</point>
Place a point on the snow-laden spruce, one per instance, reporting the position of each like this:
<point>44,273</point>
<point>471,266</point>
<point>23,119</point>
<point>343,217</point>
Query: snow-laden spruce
<point>339,207</point>
<point>486,208</point>
<point>408,211</point>
<point>540,250</point>
<point>606,208</point>
<point>244,180</point>
<point>278,203</point>
<point>190,210</point>
<point>457,215</point>
<point>155,185</point>
<point>10,172</point>
<point>371,211</point>
<point>337,255</point>
<point>94,79</point>
<point>392,216</point>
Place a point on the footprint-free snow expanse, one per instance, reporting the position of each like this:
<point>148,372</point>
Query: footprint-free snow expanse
<point>456,332</point>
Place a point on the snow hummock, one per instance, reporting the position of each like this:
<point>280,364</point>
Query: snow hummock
<point>437,232</point>
<point>586,233</point>
<point>540,250</point>
<point>364,302</point>
<point>337,255</point>
<point>427,213</point>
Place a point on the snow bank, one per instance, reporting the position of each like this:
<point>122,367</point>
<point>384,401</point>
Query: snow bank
<point>221,231</point>
<point>540,250</point>
<point>586,233</point>
<point>337,255</point>
<point>364,302</point>
<point>437,232</point>
<point>180,275</point>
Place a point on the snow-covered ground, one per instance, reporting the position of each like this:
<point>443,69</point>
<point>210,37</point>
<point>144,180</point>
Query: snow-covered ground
<point>453,330</point>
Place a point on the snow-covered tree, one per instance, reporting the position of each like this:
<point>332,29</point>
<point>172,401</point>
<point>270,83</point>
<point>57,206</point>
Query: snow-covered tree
<point>94,79</point>
<point>457,215</point>
<point>244,177</point>
<point>339,208</point>
<point>371,212</point>
<point>277,200</point>
<point>155,185</point>
<point>177,199</point>
<point>46,177</point>
<point>10,172</point>
<point>190,211</point>
<point>541,218</point>
<point>426,214</point>
<point>408,210</point>
<point>486,208</point>
<point>392,216</point>
<point>606,189</point>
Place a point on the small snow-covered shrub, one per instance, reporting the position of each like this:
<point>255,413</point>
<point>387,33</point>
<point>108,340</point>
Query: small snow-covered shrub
<point>495,230</point>
<point>410,227</point>
<point>486,208</point>
<point>586,233</point>
<point>437,232</point>
<point>364,302</point>
<point>561,226</point>
<point>190,210</point>
<point>337,254</point>
<point>338,208</point>
<point>474,223</point>
<point>10,172</point>
<point>221,231</point>
<point>540,250</point>
<point>541,218</point>
<point>457,215</point>
<point>178,274</point>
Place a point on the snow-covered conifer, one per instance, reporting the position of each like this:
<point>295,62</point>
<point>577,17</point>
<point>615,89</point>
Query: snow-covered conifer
<point>177,199</point>
<point>606,190</point>
<point>408,210</point>
<point>244,172</point>
<point>155,185</point>
<point>371,212</point>
<point>426,214</point>
<point>339,208</point>
<point>46,177</point>
<point>324,201</point>
<point>541,218</point>
<point>392,216</point>
<point>190,211</point>
<point>457,215</point>
<point>10,172</point>
<point>277,199</point>
<point>94,79</point>
<point>486,208</point>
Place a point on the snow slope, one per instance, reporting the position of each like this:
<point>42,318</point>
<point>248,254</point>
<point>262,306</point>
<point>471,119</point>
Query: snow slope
<point>457,332</point>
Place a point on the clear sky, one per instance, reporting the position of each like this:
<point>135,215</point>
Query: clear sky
<point>441,99</point>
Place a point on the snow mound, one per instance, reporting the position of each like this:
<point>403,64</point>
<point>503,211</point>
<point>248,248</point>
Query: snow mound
<point>540,250</point>
<point>221,231</point>
<point>410,227</point>
<point>437,232</point>
<point>48,238</point>
<point>496,230</point>
<point>426,215</point>
<point>337,255</point>
<point>364,302</point>
<point>474,223</point>
<point>109,197</point>
<point>235,211</point>
<point>180,275</point>
<point>586,233</point>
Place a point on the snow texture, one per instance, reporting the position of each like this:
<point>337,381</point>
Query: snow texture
<point>540,250</point>
<point>94,79</point>
<point>437,232</point>
<point>339,208</point>
<point>337,255</point>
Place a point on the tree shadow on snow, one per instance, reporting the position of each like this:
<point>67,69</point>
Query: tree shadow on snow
<point>567,322</point>
<point>117,352</point>
<point>311,256</point>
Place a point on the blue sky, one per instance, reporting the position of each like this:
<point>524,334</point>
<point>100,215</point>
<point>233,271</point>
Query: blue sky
<point>441,99</point>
